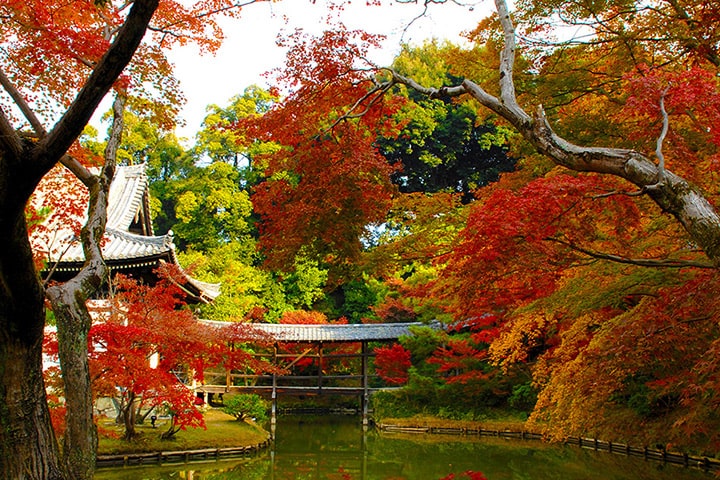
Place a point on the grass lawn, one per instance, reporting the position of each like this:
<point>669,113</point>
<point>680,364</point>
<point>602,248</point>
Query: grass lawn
<point>508,423</point>
<point>222,431</point>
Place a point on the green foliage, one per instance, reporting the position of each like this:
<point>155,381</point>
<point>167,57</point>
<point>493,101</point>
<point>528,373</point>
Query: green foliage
<point>644,400</point>
<point>444,146</point>
<point>246,290</point>
<point>391,404</point>
<point>305,285</point>
<point>212,208</point>
<point>220,142</point>
<point>592,291</point>
<point>358,296</point>
<point>422,343</point>
<point>245,406</point>
<point>523,397</point>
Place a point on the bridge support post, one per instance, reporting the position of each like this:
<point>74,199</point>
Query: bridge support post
<point>273,398</point>
<point>365,394</point>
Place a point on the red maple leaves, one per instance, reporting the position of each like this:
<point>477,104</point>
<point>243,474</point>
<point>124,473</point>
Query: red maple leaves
<point>326,182</point>
<point>392,364</point>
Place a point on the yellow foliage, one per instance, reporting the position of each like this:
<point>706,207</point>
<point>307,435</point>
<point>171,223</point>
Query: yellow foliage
<point>522,333</point>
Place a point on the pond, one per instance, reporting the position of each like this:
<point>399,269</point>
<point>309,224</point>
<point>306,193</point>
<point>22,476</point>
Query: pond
<point>335,448</point>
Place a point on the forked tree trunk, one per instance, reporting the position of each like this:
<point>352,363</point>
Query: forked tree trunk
<point>73,319</point>
<point>28,448</point>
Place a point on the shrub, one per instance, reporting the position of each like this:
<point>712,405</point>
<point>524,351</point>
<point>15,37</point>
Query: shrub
<point>245,406</point>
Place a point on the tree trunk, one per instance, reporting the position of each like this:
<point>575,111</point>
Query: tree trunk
<point>73,319</point>
<point>129,417</point>
<point>28,448</point>
<point>80,440</point>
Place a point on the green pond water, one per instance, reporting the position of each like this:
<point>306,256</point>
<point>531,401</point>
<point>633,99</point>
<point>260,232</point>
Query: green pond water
<point>335,448</point>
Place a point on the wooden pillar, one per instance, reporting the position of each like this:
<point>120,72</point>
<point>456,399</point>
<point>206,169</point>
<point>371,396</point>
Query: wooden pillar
<point>320,367</point>
<point>273,395</point>
<point>365,384</point>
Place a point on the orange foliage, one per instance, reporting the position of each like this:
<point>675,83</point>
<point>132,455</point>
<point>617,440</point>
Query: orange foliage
<point>328,181</point>
<point>56,44</point>
<point>509,254</point>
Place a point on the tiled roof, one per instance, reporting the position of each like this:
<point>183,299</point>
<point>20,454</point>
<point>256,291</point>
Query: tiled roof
<point>126,196</point>
<point>125,200</point>
<point>121,245</point>
<point>121,248</point>
<point>285,332</point>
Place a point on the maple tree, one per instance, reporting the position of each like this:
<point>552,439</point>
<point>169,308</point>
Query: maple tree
<point>31,451</point>
<point>148,349</point>
<point>60,61</point>
<point>584,195</point>
<point>327,181</point>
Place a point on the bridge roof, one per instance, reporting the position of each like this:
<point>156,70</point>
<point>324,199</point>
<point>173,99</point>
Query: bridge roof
<point>287,332</point>
<point>284,332</point>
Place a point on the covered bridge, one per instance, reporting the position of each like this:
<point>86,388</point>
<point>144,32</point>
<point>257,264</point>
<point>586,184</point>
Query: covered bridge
<point>321,359</point>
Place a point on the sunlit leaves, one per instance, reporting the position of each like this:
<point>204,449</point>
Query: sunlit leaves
<point>56,211</point>
<point>51,47</point>
<point>506,255</point>
<point>445,145</point>
<point>149,342</point>
<point>212,208</point>
<point>692,101</point>
<point>220,141</point>
<point>647,365</point>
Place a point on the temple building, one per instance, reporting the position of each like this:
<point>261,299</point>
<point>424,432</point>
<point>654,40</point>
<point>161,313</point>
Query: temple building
<point>130,246</point>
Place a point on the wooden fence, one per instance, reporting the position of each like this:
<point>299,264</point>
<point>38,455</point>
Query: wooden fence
<point>682,459</point>
<point>178,456</point>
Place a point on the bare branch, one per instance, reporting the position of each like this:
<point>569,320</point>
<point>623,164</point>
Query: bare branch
<point>641,262</point>
<point>507,56</point>
<point>682,322</point>
<point>637,193</point>
<point>661,138</point>
<point>454,91</point>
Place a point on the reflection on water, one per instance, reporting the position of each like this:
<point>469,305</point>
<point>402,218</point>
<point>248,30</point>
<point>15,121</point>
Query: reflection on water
<point>335,448</point>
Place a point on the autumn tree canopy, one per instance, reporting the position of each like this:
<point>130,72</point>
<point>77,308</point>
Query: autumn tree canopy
<point>606,231</point>
<point>609,215</point>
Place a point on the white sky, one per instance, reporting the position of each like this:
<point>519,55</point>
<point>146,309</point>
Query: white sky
<point>250,49</point>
